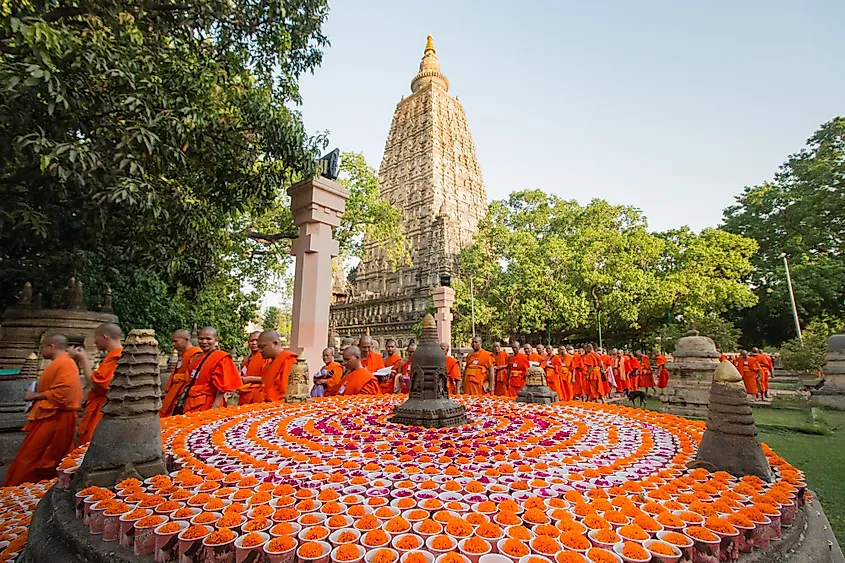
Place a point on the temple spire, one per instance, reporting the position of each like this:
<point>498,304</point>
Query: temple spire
<point>429,70</point>
<point>429,46</point>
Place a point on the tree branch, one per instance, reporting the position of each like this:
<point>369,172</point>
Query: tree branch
<point>268,238</point>
<point>64,12</point>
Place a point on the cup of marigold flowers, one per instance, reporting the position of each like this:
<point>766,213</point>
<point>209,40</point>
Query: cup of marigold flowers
<point>569,557</point>
<point>545,545</point>
<point>127,525</point>
<point>190,541</point>
<point>427,528</point>
<point>284,529</point>
<point>344,535</point>
<point>745,539</point>
<point>604,538</point>
<point>450,557</point>
<point>417,556</point>
<point>347,553</point>
<point>407,542</point>
<point>382,555</point>
<point>314,552</point>
<point>513,549</point>
<point>144,533</point>
<point>473,548</point>
<point>441,543</point>
<point>705,544</point>
<point>166,541</point>
<point>281,549</point>
<point>729,548</point>
<point>599,555</point>
<point>220,546</point>
<point>679,540</point>
<point>662,552</point>
<point>631,552</point>
<point>250,544</point>
<point>375,539</point>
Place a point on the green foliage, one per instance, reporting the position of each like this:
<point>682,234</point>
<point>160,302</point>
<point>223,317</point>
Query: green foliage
<point>275,318</point>
<point>799,213</point>
<point>807,356</point>
<point>540,263</point>
<point>145,143</point>
<point>722,331</point>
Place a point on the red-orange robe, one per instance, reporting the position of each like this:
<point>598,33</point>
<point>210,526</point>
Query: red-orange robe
<point>554,367</point>
<point>766,367</point>
<point>633,364</point>
<point>218,374</point>
<point>477,371</point>
<point>100,382</point>
<point>566,377</point>
<point>252,366</point>
<point>453,374</point>
<point>518,369</point>
<point>607,362</point>
<point>749,369</point>
<point>592,363</point>
<point>404,368</point>
<point>178,380</point>
<point>274,377</point>
<point>620,373</point>
<point>388,385</point>
<point>334,371</point>
<point>501,359</point>
<point>580,387</point>
<point>359,382</point>
<point>646,375</point>
<point>50,426</point>
<point>372,362</point>
<point>663,374</point>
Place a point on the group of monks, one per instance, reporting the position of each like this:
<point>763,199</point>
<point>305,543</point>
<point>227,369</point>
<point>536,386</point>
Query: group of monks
<point>755,369</point>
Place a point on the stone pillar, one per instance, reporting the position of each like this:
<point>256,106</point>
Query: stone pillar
<point>317,205</point>
<point>444,297</point>
<point>691,371</point>
<point>832,392</point>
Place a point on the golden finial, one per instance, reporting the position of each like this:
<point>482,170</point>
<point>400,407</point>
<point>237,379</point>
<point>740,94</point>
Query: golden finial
<point>428,321</point>
<point>429,46</point>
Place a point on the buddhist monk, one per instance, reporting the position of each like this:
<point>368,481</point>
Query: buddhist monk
<point>479,371</point>
<point>619,371</point>
<point>579,387</point>
<point>500,370</point>
<point>533,357</point>
<point>251,369</point>
<point>358,380</point>
<point>106,339</point>
<point>51,422</point>
<point>554,368</point>
<point>634,368</point>
<point>646,374</point>
<point>330,375</point>
<point>663,372</point>
<point>387,384</point>
<point>453,371</point>
<point>370,359</point>
<point>766,369</point>
<point>181,340</point>
<point>213,373</point>
<point>750,371</point>
<point>607,363</point>
<point>274,377</point>
<point>519,365</point>
<point>593,373</point>
<point>403,375</point>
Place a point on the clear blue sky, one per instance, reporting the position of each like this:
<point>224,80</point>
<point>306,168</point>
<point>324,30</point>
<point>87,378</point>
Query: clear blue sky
<point>669,106</point>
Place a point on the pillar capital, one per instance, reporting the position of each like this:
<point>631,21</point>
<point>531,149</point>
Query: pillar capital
<point>317,200</point>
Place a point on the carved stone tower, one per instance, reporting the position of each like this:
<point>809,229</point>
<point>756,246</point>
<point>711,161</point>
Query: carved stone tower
<point>430,171</point>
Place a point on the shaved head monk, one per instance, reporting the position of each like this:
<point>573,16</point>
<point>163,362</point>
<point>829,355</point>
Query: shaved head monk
<point>51,422</point>
<point>181,340</point>
<point>212,374</point>
<point>275,375</point>
<point>500,370</point>
<point>370,359</point>
<point>519,365</point>
<point>330,375</point>
<point>358,380</point>
<point>479,369</point>
<point>251,370</point>
<point>106,339</point>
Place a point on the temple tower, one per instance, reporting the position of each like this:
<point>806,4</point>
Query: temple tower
<point>430,171</point>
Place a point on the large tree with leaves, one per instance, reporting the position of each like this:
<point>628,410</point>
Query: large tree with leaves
<point>543,265</point>
<point>799,214</point>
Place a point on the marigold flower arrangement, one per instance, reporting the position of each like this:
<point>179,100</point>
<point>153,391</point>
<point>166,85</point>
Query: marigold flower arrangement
<point>252,539</point>
<point>310,550</point>
<point>606,536</point>
<point>183,513</point>
<point>458,527</point>
<point>635,551</point>
<point>508,519</point>
<point>316,533</point>
<point>568,557</point>
<point>545,545</point>
<point>309,519</point>
<point>574,541</point>
<point>221,536</point>
<point>598,555</point>
<point>397,524</point>
<point>408,542</point>
<point>633,532</point>
<point>430,527</point>
<point>282,544</point>
<point>515,548</point>
<point>703,534</point>
<point>256,524</point>
<point>720,526</point>
<point>282,529</point>
<point>136,514</point>
<point>149,521</point>
<point>661,548</point>
<point>195,532</point>
<point>169,528</point>
<point>415,557</point>
<point>442,543</point>
<point>476,545</point>
<point>347,552</point>
<point>375,538</point>
<point>450,558</point>
<point>595,522</point>
<point>675,538</point>
<point>347,537</point>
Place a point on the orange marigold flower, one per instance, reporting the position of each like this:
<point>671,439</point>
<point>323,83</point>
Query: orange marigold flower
<point>415,557</point>
<point>376,538</point>
<point>429,527</point>
<point>633,532</point>
<point>397,524</point>
<point>647,523</point>
<point>720,525</point>
<point>316,533</point>
<point>194,532</point>
<point>546,530</point>
<point>452,558</point>
<point>221,536</point>
<point>229,520</point>
<point>408,542</point>
<point>489,530</point>
<point>535,516</point>
<point>508,519</point>
<point>607,536</point>
<point>545,545</point>
<point>384,512</point>
<point>136,514</point>
<point>442,543</point>
<point>183,513</point>
<point>702,534</point>
<point>574,541</point>
<point>598,555</point>
<point>309,519</point>
<point>476,545</point>
<point>515,548</point>
<point>256,524</point>
<point>595,522</point>
<point>311,550</point>
<point>459,527</point>
<point>367,522</point>
<point>347,537</point>
<point>519,533</point>
<point>676,539</point>
<point>669,519</point>
<point>417,514</point>
<point>487,507</point>
<point>635,551</point>
<point>569,557</point>
<point>347,552</point>
<point>282,544</point>
<point>661,548</point>
<point>284,514</point>
<point>252,540</point>
<point>149,521</point>
<point>169,528</point>
<point>740,520</point>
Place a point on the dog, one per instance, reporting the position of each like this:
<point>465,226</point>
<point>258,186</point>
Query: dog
<point>635,396</point>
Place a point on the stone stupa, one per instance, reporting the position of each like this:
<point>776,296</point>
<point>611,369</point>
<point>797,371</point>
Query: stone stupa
<point>730,442</point>
<point>695,358</point>
<point>536,390</point>
<point>832,393</point>
<point>428,403</point>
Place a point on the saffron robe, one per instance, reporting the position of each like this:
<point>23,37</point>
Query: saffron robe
<point>766,368</point>
<point>592,367</point>
<point>404,375</point>
<point>218,374</point>
<point>274,377</point>
<point>646,375</point>
<point>372,362</point>
<point>359,382</point>
<point>663,373</point>
<point>178,380</point>
<point>250,393</point>
<point>388,385</point>
<point>477,371</point>
<point>633,371</point>
<point>50,426</point>
<point>334,373</point>
<point>580,387</point>
<point>566,376</point>
<point>100,383</point>
<point>518,369</point>
<point>620,370</point>
<point>501,369</point>
<point>750,370</point>
<point>453,374</point>
<point>554,367</point>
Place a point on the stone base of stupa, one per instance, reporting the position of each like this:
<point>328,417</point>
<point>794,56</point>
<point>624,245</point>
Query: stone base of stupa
<point>429,413</point>
<point>831,394</point>
<point>537,395</point>
<point>687,398</point>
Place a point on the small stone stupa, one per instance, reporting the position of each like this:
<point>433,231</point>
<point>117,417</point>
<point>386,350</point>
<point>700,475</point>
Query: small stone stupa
<point>536,390</point>
<point>428,403</point>
<point>832,393</point>
<point>298,388</point>
<point>127,441</point>
<point>730,442</point>
<point>695,358</point>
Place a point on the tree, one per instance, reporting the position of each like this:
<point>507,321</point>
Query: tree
<point>276,319</point>
<point>722,331</point>
<point>797,214</point>
<point>543,265</point>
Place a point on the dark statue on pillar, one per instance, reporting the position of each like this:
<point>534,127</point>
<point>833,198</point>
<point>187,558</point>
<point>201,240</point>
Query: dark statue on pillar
<point>536,391</point>
<point>428,403</point>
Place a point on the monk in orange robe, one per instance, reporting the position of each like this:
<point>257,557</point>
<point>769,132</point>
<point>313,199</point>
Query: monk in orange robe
<point>579,387</point>
<point>274,377</point>
<point>213,373</point>
<point>553,368</point>
<point>403,368</point>
<point>566,375</point>
<point>106,339</point>
<point>766,369</point>
<point>750,371</point>
<point>453,370</point>
<point>330,375</point>
<point>646,375</point>
<point>663,372</point>
<point>519,365</point>
<point>388,385</point>
<point>533,356</point>
<point>358,380</point>
<point>633,371</point>
<point>370,359</point>
<point>51,422</point>
<point>479,369</point>
<point>179,376</point>
<point>500,370</point>
<point>251,369</point>
<point>620,371</point>
<point>593,376</point>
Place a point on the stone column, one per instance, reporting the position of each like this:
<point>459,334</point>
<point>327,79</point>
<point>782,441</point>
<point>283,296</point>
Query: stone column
<point>443,299</point>
<point>317,205</point>
<point>695,360</point>
<point>831,394</point>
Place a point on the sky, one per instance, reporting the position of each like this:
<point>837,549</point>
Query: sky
<point>671,107</point>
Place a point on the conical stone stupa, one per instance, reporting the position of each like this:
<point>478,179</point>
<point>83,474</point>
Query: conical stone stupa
<point>730,442</point>
<point>428,403</point>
